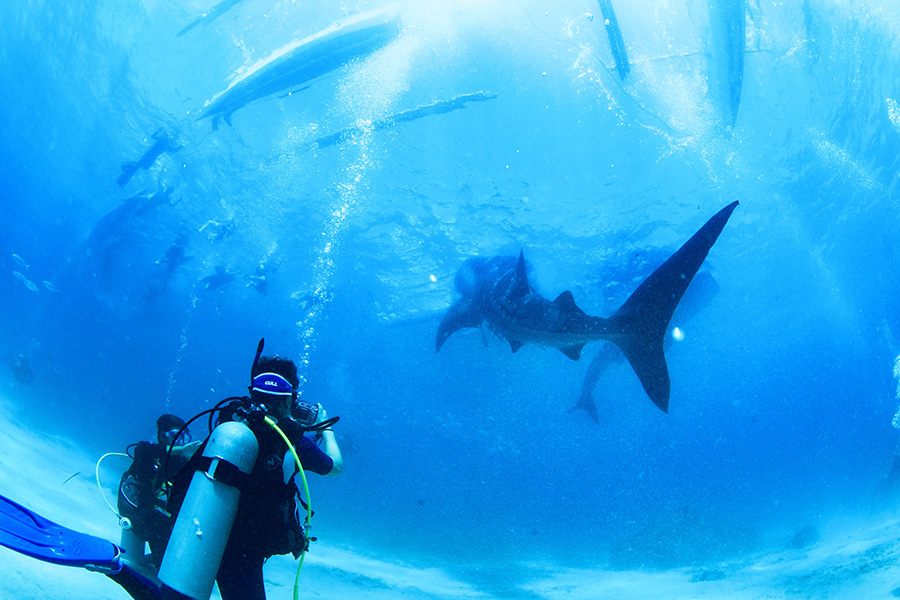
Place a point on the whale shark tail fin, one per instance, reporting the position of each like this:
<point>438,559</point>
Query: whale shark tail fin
<point>645,316</point>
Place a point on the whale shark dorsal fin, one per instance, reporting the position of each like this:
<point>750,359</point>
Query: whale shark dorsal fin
<point>566,303</point>
<point>520,287</point>
<point>573,352</point>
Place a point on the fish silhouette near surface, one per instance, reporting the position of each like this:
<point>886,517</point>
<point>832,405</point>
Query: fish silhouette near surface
<point>162,143</point>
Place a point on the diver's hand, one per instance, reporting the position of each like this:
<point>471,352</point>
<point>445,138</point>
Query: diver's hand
<point>329,444</point>
<point>187,449</point>
<point>322,415</point>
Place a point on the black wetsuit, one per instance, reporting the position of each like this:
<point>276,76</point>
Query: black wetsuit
<point>142,497</point>
<point>269,516</point>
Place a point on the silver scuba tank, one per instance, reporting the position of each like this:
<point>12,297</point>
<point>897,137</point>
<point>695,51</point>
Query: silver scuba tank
<point>204,521</point>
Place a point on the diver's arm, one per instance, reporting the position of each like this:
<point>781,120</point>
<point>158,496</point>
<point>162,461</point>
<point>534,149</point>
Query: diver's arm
<point>187,450</point>
<point>330,446</point>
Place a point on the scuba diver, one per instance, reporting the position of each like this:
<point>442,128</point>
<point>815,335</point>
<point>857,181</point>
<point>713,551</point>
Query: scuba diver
<point>235,503</point>
<point>22,370</point>
<point>175,257</point>
<point>259,278</point>
<point>143,490</point>
<point>888,490</point>
<point>268,516</point>
<point>162,143</point>
<point>221,279</point>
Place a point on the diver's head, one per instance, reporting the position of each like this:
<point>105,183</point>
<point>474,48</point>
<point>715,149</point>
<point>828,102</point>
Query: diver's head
<point>275,384</point>
<point>167,430</point>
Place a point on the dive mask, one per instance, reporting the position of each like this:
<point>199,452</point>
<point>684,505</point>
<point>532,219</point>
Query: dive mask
<point>173,439</point>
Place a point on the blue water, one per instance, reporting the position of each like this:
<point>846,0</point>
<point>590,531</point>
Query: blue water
<point>782,391</point>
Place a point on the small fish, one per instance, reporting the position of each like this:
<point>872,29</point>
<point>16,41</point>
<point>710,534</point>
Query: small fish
<point>20,261</point>
<point>25,280</point>
<point>50,286</point>
<point>71,476</point>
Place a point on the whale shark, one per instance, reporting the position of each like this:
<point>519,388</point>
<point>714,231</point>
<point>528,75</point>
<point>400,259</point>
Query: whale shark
<point>496,291</point>
<point>305,60</point>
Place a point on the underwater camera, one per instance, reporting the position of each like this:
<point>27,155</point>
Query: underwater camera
<point>305,413</point>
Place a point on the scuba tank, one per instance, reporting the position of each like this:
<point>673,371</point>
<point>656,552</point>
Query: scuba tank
<point>198,539</point>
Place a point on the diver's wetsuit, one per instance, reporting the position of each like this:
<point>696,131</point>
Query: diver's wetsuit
<point>142,498</point>
<point>269,514</point>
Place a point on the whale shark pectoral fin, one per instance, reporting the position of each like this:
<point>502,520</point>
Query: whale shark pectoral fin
<point>573,352</point>
<point>461,315</point>
<point>515,345</point>
<point>566,303</point>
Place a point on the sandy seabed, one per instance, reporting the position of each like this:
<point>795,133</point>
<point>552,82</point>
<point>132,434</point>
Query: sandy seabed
<point>37,471</point>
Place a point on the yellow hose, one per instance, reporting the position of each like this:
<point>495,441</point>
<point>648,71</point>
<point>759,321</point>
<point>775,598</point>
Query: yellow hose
<point>290,446</point>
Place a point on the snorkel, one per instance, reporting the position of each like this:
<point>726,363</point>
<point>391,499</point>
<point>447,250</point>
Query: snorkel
<point>259,349</point>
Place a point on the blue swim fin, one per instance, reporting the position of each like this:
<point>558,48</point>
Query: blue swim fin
<point>31,534</point>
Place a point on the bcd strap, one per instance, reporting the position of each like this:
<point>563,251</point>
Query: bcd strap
<point>223,471</point>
